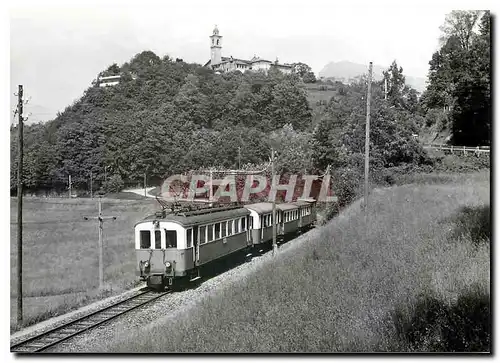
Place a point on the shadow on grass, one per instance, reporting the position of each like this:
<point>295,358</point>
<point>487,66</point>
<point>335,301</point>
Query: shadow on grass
<point>473,222</point>
<point>433,326</point>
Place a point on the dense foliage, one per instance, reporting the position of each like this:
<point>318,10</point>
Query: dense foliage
<point>458,96</point>
<point>164,117</point>
<point>168,117</point>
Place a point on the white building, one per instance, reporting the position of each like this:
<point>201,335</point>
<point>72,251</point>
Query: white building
<point>227,64</point>
<point>108,81</point>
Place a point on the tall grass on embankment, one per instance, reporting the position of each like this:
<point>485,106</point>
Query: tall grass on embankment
<point>414,277</point>
<point>60,253</point>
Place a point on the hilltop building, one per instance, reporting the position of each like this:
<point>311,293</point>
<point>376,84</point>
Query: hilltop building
<point>108,81</point>
<point>228,64</point>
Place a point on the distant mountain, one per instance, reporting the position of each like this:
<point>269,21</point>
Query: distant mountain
<point>346,71</point>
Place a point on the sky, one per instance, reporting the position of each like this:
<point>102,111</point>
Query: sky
<point>56,50</point>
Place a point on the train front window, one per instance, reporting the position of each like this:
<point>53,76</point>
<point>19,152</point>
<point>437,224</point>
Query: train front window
<point>145,238</point>
<point>171,240</point>
<point>157,240</point>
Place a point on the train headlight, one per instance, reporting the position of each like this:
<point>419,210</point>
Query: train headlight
<point>168,264</point>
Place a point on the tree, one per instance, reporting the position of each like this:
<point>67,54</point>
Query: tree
<point>309,77</point>
<point>304,72</point>
<point>459,77</point>
<point>460,24</point>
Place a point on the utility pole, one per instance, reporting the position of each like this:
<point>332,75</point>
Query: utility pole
<point>211,190</point>
<point>367,137</point>
<point>20,209</point>
<point>69,185</point>
<point>145,185</point>
<point>385,88</point>
<point>101,219</point>
<point>239,157</point>
<point>275,246</point>
<point>91,195</point>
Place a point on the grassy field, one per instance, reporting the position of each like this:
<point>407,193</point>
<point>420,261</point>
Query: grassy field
<point>414,277</point>
<point>60,255</point>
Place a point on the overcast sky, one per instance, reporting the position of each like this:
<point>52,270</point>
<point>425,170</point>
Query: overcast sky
<point>57,50</point>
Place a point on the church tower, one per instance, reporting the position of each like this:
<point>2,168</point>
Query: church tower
<point>215,47</point>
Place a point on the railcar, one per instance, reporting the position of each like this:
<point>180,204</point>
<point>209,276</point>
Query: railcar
<point>290,218</point>
<point>261,214</point>
<point>307,213</point>
<point>171,247</point>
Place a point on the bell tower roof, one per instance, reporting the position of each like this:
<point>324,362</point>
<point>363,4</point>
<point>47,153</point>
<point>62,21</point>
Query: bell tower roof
<point>216,30</point>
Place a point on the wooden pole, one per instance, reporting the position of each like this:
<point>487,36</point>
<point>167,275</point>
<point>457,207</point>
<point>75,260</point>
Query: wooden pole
<point>367,138</point>
<point>69,186</point>
<point>210,191</point>
<point>239,157</point>
<point>101,267</point>
<point>101,219</point>
<point>91,195</point>
<point>275,246</point>
<point>20,209</point>
<point>145,185</point>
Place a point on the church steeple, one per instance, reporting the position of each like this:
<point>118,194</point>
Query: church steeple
<point>215,47</point>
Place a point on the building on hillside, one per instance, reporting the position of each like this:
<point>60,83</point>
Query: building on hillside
<point>108,81</point>
<point>228,64</point>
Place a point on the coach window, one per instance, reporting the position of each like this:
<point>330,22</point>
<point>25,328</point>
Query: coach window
<point>203,234</point>
<point>145,239</point>
<point>158,240</point>
<point>236,226</point>
<point>224,229</point>
<point>243,224</point>
<point>189,238</point>
<point>230,230</point>
<point>210,230</point>
<point>217,230</point>
<point>171,239</point>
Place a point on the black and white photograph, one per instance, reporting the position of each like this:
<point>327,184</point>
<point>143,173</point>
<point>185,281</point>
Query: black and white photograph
<point>249,177</point>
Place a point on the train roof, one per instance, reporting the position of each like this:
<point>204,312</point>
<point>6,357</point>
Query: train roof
<point>267,207</point>
<point>198,217</point>
<point>302,203</point>
<point>264,207</point>
<point>308,200</point>
<point>286,206</point>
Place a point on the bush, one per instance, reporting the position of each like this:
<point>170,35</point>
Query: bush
<point>114,184</point>
<point>473,222</point>
<point>435,326</point>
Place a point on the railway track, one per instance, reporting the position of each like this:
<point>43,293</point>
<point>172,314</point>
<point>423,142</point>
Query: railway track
<point>57,335</point>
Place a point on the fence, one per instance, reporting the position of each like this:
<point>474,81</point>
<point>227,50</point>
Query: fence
<point>464,149</point>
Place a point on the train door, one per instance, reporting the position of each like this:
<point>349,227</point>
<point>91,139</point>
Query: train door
<point>249,229</point>
<point>196,249</point>
<point>281,226</point>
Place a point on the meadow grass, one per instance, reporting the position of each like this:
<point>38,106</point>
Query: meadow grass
<point>60,253</point>
<point>356,286</point>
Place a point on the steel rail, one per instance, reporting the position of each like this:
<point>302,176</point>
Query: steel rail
<point>75,327</point>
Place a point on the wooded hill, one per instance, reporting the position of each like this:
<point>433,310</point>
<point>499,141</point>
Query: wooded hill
<point>167,117</point>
